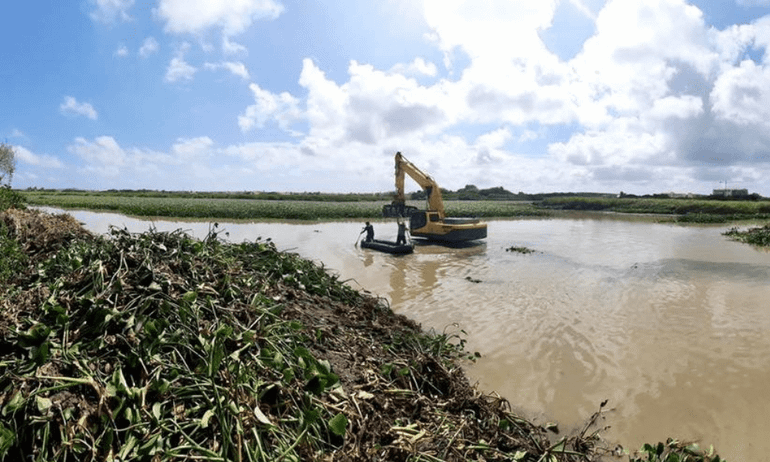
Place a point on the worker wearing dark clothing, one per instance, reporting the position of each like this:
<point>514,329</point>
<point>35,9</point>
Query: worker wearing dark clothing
<point>401,238</point>
<point>369,232</point>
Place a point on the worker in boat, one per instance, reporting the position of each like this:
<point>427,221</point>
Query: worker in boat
<point>369,232</point>
<point>401,237</point>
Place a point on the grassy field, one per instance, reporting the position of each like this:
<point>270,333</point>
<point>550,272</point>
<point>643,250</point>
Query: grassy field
<point>315,206</point>
<point>229,207</point>
<point>686,210</point>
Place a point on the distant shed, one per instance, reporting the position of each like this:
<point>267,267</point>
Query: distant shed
<point>730,192</point>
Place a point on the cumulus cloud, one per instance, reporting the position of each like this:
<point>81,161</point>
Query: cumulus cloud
<point>283,108</point>
<point>26,156</point>
<point>104,151</point>
<point>232,16</point>
<point>109,11</point>
<point>189,149</point>
<point>121,51</point>
<point>232,48</point>
<point>71,106</point>
<point>149,46</point>
<point>179,69</point>
<point>236,68</point>
<point>197,163</point>
<point>417,67</point>
<point>373,105</point>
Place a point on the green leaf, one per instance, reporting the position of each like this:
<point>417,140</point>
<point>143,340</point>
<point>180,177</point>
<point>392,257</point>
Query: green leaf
<point>338,424</point>
<point>41,353</point>
<point>156,408</point>
<point>43,404</point>
<point>7,438</point>
<point>206,417</point>
<point>16,403</point>
<point>261,417</point>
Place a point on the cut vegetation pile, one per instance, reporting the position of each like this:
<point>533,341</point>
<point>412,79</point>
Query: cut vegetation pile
<point>759,236</point>
<point>158,346</point>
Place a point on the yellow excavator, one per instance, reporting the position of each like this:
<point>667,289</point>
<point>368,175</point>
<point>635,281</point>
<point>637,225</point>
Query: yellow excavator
<point>431,223</point>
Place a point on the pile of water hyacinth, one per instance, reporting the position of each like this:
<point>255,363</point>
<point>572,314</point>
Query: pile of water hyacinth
<point>158,346</point>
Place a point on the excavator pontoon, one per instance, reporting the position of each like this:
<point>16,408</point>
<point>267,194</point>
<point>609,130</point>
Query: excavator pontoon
<point>431,223</point>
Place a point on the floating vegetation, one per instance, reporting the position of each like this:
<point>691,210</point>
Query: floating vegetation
<point>519,249</point>
<point>675,451</point>
<point>231,206</point>
<point>759,236</point>
<point>158,347</point>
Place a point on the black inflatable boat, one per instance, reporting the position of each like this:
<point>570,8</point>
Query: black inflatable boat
<point>388,246</point>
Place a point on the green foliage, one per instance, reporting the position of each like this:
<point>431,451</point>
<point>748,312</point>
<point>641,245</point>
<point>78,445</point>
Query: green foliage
<point>12,258</point>
<point>186,206</point>
<point>7,163</point>
<point>519,249</point>
<point>162,347</point>
<point>10,198</point>
<point>755,236</point>
<point>689,210</point>
<point>674,451</point>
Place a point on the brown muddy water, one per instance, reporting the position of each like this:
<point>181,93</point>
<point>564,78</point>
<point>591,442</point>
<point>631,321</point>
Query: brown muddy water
<point>670,323</point>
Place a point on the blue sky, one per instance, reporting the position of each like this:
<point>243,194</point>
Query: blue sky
<point>640,96</point>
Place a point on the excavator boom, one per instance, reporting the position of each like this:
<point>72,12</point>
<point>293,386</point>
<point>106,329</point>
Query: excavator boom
<point>403,166</point>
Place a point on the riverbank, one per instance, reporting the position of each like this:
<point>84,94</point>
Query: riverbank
<point>156,345</point>
<point>682,210</point>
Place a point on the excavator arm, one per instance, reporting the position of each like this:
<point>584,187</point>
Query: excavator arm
<point>403,168</point>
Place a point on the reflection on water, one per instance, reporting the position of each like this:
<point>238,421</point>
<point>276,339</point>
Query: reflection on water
<point>669,323</point>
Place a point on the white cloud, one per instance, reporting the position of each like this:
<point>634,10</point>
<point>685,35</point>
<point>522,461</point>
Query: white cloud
<point>502,28</point>
<point>28,157</point>
<point>71,106</point>
<point>656,98</point>
<point>742,95</point>
<point>232,48</point>
<point>121,51</point>
<point>236,68</point>
<point>108,11</point>
<point>283,108</point>
<point>232,16</point>
<point>585,10</point>
<point>178,69</point>
<point>149,46</point>
<point>417,67</point>
<point>186,150</point>
<point>104,151</point>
